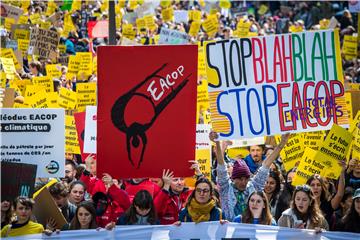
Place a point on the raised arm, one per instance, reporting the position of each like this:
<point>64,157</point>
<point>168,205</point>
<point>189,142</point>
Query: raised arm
<point>335,201</point>
<point>271,158</point>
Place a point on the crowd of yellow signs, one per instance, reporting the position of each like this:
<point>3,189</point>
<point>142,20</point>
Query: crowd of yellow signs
<point>317,155</point>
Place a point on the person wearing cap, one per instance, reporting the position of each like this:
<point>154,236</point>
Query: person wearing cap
<point>234,192</point>
<point>351,221</point>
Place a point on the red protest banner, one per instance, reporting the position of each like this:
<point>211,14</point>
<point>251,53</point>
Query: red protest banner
<point>80,129</point>
<point>146,110</point>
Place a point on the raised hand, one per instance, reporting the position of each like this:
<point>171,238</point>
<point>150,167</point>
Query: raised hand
<point>167,178</point>
<point>213,136</point>
<point>196,167</point>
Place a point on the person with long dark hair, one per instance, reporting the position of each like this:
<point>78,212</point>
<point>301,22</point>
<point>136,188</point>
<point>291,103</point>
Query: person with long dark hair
<point>304,211</point>
<point>6,212</point>
<point>85,217</point>
<point>272,190</point>
<point>351,221</point>
<point>201,205</point>
<point>257,211</point>
<point>141,212</point>
<point>327,203</point>
<point>284,199</point>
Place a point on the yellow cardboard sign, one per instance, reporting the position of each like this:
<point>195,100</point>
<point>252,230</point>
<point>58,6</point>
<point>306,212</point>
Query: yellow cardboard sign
<point>85,68</point>
<point>165,3</point>
<point>226,4</point>
<point>349,48</point>
<point>336,147</point>
<point>94,64</point>
<point>210,25</point>
<point>356,144</point>
<point>73,67</point>
<point>202,105</point>
<point>38,100</point>
<point>140,23</point>
<point>53,70</point>
<point>52,99</point>
<point>167,14</point>
<point>44,81</point>
<point>9,53</point>
<point>349,109</point>
<point>293,151</point>
<point>21,34</point>
<point>23,45</point>
<point>45,25</point>
<point>8,66</point>
<point>242,29</point>
<point>86,95</point>
<point>21,84</point>
<point>8,23</point>
<point>263,9</point>
<point>67,99</point>
<point>71,139</point>
<point>297,28</point>
<point>203,157</point>
<point>355,122</point>
<point>23,19</point>
<point>32,89</point>
<point>194,15</point>
<point>62,48</point>
<point>313,140</point>
<point>128,31</point>
<point>201,61</point>
<point>311,163</point>
<point>194,28</point>
<point>150,22</point>
<point>35,18</point>
<point>21,105</point>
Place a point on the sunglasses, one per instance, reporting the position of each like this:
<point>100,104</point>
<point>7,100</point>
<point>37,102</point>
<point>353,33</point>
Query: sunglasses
<point>304,187</point>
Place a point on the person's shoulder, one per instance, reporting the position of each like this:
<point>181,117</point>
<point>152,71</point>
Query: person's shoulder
<point>36,227</point>
<point>4,230</point>
<point>287,212</point>
<point>237,219</point>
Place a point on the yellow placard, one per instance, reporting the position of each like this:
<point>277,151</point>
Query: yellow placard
<point>263,9</point>
<point>226,4</point>
<point>165,3</point>
<point>86,95</point>
<point>21,34</point>
<point>202,105</point>
<point>21,105</point>
<point>293,151</point>
<point>32,89</point>
<point>21,84</point>
<point>38,100</point>
<point>348,102</point>
<point>76,5</point>
<point>35,18</point>
<point>45,25</point>
<point>52,99</point>
<point>194,28</point>
<point>243,29</point>
<point>150,22</point>
<point>95,65</point>
<point>71,139</point>
<point>356,144</point>
<point>128,31</point>
<point>311,163</point>
<point>23,19</point>
<point>355,122</point>
<point>336,147</point>
<point>8,23</point>
<point>349,48</point>
<point>73,67</point>
<point>210,25</point>
<point>297,28</point>
<point>194,15</point>
<point>133,4</point>
<point>44,81</point>
<point>67,99</point>
<point>203,157</point>
<point>9,53</point>
<point>53,70</point>
<point>23,45</point>
<point>62,48</point>
<point>85,68</point>
<point>8,66</point>
<point>167,14</point>
<point>3,79</point>
<point>140,23</point>
<point>313,140</point>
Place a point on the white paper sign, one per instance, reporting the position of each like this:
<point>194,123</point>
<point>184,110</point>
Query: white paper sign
<point>202,136</point>
<point>181,16</point>
<point>90,130</point>
<point>34,136</point>
<point>247,142</point>
<point>168,36</point>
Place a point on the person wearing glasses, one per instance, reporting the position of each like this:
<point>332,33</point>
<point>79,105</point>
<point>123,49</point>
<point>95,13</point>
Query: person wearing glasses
<point>235,192</point>
<point>304,211</point>
<point>201,206</point>
<point>257,211</point>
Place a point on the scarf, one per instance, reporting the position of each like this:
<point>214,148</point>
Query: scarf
<point>200,212</point>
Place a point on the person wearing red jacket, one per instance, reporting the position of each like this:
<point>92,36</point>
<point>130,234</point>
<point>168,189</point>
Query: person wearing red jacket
<point>134,185</point>
<point>171,199</point>
<point>109,204</point>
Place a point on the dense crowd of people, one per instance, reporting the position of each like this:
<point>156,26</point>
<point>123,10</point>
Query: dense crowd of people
<point>253,190</point>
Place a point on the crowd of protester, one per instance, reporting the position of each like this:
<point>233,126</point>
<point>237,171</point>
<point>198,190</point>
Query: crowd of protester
<point>253,190</point>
